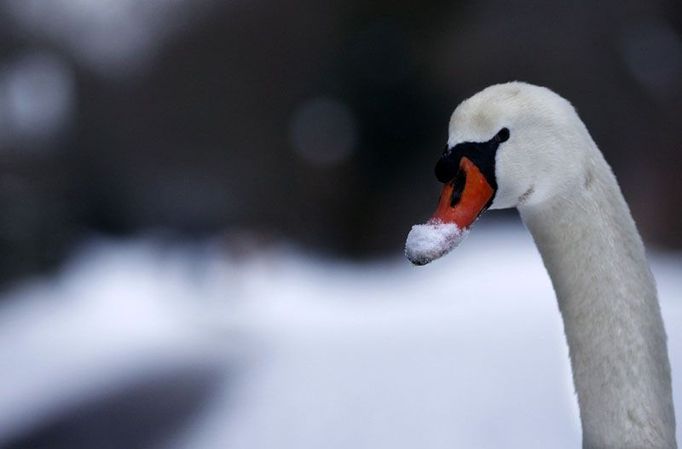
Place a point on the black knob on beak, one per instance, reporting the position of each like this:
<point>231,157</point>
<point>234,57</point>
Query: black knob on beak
<point>447,168</point>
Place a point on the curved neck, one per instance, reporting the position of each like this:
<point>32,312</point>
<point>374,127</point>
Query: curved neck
<point>607,298</point>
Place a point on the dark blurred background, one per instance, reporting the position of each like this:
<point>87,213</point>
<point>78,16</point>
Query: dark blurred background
<point>317,122</point>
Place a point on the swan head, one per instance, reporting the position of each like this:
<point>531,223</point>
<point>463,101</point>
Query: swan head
<point>510,145</point>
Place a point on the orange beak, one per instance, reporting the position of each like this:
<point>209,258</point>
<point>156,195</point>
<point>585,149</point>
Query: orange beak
<point>463,200</point>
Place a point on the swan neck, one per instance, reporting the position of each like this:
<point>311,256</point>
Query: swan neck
<point>607,298</point>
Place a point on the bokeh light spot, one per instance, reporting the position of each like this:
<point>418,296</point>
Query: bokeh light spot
<point>36,98</point>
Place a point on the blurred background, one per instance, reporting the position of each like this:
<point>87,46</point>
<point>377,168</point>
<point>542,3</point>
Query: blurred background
<point>204,203</point>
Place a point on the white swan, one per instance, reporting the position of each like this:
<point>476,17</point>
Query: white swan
<point>519,145</point>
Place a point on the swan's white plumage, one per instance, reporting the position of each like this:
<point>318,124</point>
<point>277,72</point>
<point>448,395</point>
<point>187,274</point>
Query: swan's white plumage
<point>553,172</point>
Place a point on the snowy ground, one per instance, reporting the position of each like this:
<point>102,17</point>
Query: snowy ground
<point>304,352</point>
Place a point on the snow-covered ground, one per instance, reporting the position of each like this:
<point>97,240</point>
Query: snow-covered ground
<point>308,352</point>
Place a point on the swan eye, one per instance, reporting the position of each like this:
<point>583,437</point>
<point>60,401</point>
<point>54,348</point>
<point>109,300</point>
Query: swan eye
<point>502,136</point>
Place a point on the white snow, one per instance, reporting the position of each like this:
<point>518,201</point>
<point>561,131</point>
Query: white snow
<point>427,242</point>
<point>461,354</point>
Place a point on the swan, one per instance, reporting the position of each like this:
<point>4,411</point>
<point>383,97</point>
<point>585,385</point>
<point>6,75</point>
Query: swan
<point>524,146</point>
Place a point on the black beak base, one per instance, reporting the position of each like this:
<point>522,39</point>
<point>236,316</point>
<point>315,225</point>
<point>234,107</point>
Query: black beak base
<point>480,153</point>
